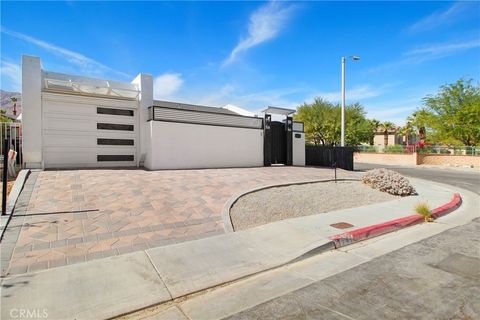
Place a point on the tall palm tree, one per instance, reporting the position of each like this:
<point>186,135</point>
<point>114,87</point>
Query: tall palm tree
<point>407,131</point>
<point>385,127</point>
<point>14,101</point>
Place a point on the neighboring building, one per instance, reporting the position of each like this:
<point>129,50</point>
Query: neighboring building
<point>392,137</point>
<point>76,122</point>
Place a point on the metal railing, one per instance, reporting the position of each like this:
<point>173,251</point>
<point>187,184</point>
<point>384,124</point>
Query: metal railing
<point>13,132</point>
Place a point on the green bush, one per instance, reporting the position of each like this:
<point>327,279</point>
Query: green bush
<point>394,149</point>
<point>368,149</point>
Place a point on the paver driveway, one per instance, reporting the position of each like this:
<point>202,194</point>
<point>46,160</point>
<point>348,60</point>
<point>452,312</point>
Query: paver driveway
<point>79,215</point>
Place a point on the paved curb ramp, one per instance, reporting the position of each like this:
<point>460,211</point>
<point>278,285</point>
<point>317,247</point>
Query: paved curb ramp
<point>122,284</point>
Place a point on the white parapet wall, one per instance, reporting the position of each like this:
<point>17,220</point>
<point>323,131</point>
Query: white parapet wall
<point>32,112</point>
<point>188,146</point>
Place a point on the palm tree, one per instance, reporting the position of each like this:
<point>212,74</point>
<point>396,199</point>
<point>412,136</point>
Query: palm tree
<point>14,101</point>
<point>385,127</point>
<point>407,131</point>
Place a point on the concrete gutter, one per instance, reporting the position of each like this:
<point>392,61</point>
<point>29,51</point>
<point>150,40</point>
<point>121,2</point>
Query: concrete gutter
<point>376,230</point>
<point>118,285</point>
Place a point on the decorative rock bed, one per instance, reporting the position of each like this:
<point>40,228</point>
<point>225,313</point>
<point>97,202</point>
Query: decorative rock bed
<point>278,203</point>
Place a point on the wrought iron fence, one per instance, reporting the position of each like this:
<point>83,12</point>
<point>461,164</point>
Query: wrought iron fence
<point>12,131</point>
<point>341,157</point>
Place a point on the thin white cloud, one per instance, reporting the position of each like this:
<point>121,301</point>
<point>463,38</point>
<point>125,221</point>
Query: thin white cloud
<point>166,85</point>
<point>455,12</point>
<point>11,73</point>
<point>440,50</point>
<point>396,110</point>
<point>252,101</point>
<point>265,24</point>
<point>85,63</point>
<point>356,93</point>
<point>428,52</point>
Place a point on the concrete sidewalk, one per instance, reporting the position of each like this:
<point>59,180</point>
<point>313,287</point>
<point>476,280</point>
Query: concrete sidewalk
<point>117,285</point>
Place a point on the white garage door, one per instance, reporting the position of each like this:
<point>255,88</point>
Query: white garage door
<point>88,132</point>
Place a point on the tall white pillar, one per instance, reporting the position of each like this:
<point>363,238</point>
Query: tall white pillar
<point>32,112</point>
<point>342,138</point>
<point>145,85</point>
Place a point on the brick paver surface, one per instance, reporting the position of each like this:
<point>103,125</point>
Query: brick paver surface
<point>80,215</point>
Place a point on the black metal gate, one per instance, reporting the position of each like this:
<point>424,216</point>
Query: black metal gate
<point>278,142</point>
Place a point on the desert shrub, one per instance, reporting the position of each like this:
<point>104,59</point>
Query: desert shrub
<point>388,181</point>
<point>423,210</point>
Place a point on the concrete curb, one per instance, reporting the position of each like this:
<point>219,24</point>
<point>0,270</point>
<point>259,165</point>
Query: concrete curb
<point>360,234</point>
<point>227,221</point>
<point>13,197</point>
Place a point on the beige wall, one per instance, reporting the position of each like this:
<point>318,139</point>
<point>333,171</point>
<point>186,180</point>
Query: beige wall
<point>417,159</point>
<point>379,140</point>
<point>448,160</point>
<point>386,158</point>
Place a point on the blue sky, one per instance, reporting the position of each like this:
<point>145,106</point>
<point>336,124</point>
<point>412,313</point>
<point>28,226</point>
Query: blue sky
<point>253,54</point>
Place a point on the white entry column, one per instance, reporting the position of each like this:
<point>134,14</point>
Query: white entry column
<point>32,112</point>
<point>144,83</point>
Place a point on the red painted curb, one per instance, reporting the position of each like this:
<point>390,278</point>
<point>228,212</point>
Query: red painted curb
<point>375,230</point>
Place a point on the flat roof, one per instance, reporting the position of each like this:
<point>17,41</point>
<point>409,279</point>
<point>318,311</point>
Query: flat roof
<point>191,107</point>
<point>60,82</point>
<point>277,110</point>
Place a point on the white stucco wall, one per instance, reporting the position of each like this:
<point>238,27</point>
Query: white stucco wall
<point>298,149</point>
<point>32,112</point>
<point>189,146</point>
<point>144,83</point>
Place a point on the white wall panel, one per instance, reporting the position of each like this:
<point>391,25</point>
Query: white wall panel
<point>70,131</point>
<point>188,146</point>
<point>298,149</point>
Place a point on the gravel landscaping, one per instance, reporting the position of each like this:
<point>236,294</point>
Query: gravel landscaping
<point>280,203</point>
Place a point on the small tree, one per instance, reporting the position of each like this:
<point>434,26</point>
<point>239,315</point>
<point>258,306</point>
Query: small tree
<point>453,114</point>
<point>3,117</point>
<point>322,123</point>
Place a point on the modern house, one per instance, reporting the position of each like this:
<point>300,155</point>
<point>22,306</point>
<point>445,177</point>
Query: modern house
<point>78,122</point>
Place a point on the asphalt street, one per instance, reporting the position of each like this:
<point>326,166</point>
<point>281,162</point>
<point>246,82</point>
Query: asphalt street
<point>436,278</point>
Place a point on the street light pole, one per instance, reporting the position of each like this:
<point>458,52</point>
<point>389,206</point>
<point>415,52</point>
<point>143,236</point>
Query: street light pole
<point>342,140</point>
<point>344,62</point>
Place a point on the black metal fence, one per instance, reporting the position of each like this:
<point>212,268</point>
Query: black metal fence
<point>328,156</point>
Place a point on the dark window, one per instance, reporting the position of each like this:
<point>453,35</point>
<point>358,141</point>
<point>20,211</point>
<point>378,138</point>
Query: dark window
<point>114,157</point>
<point>113,126</point>
<point>115,142</point>
<point>298,135</point>
<point>115,112</point>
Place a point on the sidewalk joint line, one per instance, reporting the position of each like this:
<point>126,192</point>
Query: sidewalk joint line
<point>159,275</point>
<point>337,312</point>
<point>183,312</point>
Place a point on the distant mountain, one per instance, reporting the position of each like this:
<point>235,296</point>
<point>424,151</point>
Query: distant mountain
<point>7,104</point>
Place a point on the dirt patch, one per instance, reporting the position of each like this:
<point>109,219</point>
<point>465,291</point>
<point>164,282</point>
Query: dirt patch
<point>280,203</point>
